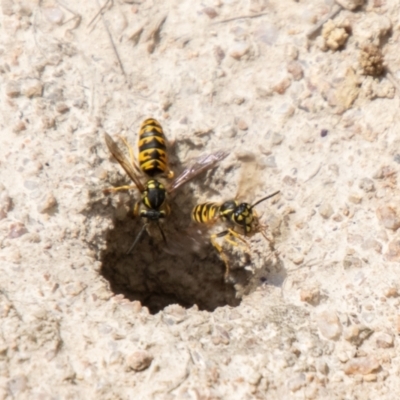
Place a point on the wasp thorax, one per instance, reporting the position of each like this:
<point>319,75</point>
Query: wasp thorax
<point>243,215</point>
<point>154,195</point>
<point>227,209</point>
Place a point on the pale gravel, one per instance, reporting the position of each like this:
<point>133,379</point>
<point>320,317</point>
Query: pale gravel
<point>80,319</point>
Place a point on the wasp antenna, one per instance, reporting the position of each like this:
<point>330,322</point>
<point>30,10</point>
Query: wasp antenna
<point>265,198</point>
<point>140,234</point>
<point>162,233</point>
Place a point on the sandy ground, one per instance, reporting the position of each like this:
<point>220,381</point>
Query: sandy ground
<point>312,113</point>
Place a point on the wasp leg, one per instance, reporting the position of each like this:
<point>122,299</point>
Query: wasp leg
<point>218,247</point>
<point>263,229</point>
<point>270,240</point>
<point>140,234</point>
<point>136,209</point>
<point>162,233</point>
<point>231,232</point>
<point>118,189</point>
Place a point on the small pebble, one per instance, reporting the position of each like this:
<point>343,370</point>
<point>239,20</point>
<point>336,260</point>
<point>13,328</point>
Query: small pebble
<point>31,185</point>
<point>47,203</point>
<point>324,132</point>
<point>291,52</point>
<point>245,155</point>
<point>342,357</point>
<point>356,334</point>
<point>370,378</point>
<point>238,50</point>
<point>372,244</point>
<point>33,237</point>
<point>32,88</point>
<point>17,229</point>
<point>367,185</point>
<point>295,69</point>
<point>269,162</point>
<point>54,15</point>
<point>48,122</point>
<point>362,366</point>
<point>210,12</point>
<point>228,131</point>
<point>297,258</point>
<point>325,210</point>
<point>384,340</point>
<point>355,198</point>
<point>322,367</point>
<point>13,89</point>
<point>277,139</point>
<point>282,86</point>
<point>242,125</point>
<point>139,360</point>
<point>350,4</point>
<point>73,289</point>
<point>388,217</point>
<point>310,296</point>
<point>5,204</point>
<point>219,53</point>
<point>297,382</point>
<point>62,108</point>
<point>19,127</point>
<point>254,378</point>
<point>352,262</point>
<point>175,313</point>
<point>391,292</point>
<point>329,324</point>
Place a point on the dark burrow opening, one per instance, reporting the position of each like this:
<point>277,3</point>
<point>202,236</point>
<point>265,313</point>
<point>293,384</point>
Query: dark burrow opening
<point>188,270</point>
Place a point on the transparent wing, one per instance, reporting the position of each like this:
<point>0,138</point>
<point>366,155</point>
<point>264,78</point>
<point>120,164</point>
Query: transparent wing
<point>250,180</point>
<point>193,239</point>
<point>123,161</point>
<point>202,164</point>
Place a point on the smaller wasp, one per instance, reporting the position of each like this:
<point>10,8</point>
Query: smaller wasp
<point>241,218</point>
<point>153,162</point>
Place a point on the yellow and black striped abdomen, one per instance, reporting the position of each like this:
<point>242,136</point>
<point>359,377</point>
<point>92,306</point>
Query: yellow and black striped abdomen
<point>206,212</point>
<point>153,159</point>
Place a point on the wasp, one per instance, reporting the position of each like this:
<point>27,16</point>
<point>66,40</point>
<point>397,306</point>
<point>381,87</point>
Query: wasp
<point>153,162</point>
<point>241,220</point>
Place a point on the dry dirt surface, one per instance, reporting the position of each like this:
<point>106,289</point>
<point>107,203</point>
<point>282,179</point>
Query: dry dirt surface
<point>304,97</point>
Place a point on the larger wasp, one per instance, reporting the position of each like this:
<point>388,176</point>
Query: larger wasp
<point>241,219</point>
<point>153,162</point>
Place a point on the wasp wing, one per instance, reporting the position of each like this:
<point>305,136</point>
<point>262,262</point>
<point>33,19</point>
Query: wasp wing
<point>202,164</point>
<point>250,178</point>
<point>123,161</point>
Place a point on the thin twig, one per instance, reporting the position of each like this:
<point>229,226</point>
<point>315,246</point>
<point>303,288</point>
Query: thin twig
<point>241,17</point>
<point>335,10</point>
<point>111,40</point>
<point>313,174</point>
<point>102,9</point>
<point>76,16</point>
